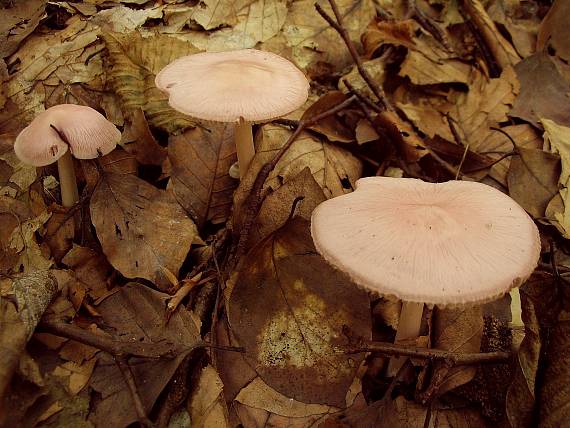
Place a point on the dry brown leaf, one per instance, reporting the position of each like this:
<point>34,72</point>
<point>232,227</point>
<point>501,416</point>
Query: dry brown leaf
<point>122,19</point>
<point>21,175</point>
<point>136,314</point>
<point>484,106</point>
<point>139,141</point>
<point>23,242</point>
<point>540,306</point>
<point>69,56</point>
<point>498,144</point>
<point>75,376</point>
<point>457,330</point>
<point>23,300</point>
<point>141,228</point>
<point>12,214</point>
<point>557,141</point>
<point>288,308</point>
<point>206,404</point>
<point>135,63</point>
<point>277,205</point>
<point>426,62</point>
<point>502,51</point>
<point>90,268</point>
<point>17,21</point>
<point>554,32</point>
<point>59,232</point>
<point>200,161</point>
<point>306,37</point>
<point>258,394</point>
<point>331,127</point>
<point>533,179</point>
<point>376,70</point>
<point>544,91</point>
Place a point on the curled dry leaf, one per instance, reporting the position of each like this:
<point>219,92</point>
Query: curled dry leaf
<point>12,214</point>
<point>23,241</point>
<point>200,162</point>
<point>288,309</point>
<point>135,63</point>
<point>141,228</point>
<point>140,141</point>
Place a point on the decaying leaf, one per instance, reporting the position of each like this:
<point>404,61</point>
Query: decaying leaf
<point>135,63</point>
<point>23,242</point>
<point>201,159</point>
<point>457,330</point>
<point>533,179</point>
<point>141,228</point>
<point>23,300</point>
<point>64,57</point>
<point>140,142</point>
<point>553,33</point>
<point>17,22</point>
<point>277,206</point>
<point>288,308</point>
<point>206,405</point>
<point>136,314</point>
<point>543,91</point>
<point>557,141</point>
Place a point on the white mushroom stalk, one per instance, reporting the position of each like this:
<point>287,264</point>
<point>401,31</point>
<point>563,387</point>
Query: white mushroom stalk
<point>243,87</point>
<point>452,243</point>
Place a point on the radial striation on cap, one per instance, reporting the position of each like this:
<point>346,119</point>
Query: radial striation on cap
<point>86,130</point>
<point>225,86</point>
<point>440,243</point>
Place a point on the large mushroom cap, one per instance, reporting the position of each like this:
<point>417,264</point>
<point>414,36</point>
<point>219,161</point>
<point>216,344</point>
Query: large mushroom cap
<point>86,130</point>
<point>447,243</point>
<point>224,86</point>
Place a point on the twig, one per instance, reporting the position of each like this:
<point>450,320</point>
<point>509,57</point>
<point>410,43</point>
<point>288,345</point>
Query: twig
<point>428,24</point>
<point>129,379</point>
<point>341,30</point>
<point>455,358</point>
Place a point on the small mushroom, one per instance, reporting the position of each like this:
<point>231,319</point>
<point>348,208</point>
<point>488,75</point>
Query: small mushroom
<point>60,132</point>
<point>452,243</point>
<point>244,87</point>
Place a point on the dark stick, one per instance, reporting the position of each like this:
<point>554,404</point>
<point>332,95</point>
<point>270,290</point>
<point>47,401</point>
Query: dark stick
<point>127,373</point>
<point>455,358</point>
<point>341,30</point>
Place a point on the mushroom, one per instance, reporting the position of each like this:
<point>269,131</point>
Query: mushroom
<point>243,86</point>
<point>60,132</point>
<point>450,243</point>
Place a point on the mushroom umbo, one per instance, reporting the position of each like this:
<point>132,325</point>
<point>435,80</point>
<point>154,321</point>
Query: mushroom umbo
<point>243,86</point>
<point>450,243</point>
<point>60,132</point>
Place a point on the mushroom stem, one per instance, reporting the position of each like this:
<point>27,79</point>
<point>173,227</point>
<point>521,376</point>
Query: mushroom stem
<point>408,328</point>
<point>67,180</point>
<point>244,146</point>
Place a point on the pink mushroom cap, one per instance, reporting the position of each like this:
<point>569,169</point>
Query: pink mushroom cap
<point>226,86</point>
<point>447,243</point>
<point>86,130</point>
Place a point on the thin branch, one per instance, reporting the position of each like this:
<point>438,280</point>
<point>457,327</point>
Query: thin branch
<point>342,31</point>
<point>456,358</point>
<point>129,379</point>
